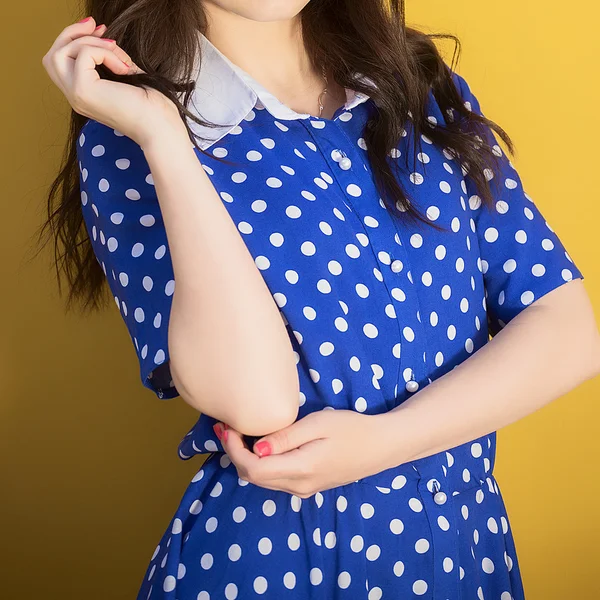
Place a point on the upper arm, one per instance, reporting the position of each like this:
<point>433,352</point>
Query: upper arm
<point>123,219</point>
<point>521,256</point>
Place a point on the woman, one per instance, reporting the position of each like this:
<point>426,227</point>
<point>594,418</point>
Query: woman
<point>345,232</point>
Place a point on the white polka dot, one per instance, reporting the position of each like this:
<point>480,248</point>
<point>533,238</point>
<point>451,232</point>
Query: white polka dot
<point>169,583</point>
<point>260,584</point>
<point>206,561</point>
<point>353,190</point>
<point>415,504</point>
<point>527,297</point>
<point>487,565</point>
<point>396,526</point>
<point>344,580</point>
<point>293,541</point>
<point>269,507</point>
<point>419,587</point>
<point>491,234</point>
<point>357,543</point>
<point>367,510</point>
<point>370,330</point>
<point>265,545</point>
<point>316,576</point>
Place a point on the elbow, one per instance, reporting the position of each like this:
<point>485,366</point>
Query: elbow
<point>252,418</point>
<point>262,422</point>
<point>255,413</point>
<point>263,411</point>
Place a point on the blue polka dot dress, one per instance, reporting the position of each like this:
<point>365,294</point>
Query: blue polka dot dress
<point>376,309</point>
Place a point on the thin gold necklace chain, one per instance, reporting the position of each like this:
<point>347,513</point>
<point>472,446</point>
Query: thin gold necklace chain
<point>323,92</point>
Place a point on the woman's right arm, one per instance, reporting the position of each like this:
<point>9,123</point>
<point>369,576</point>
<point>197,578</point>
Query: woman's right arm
<point>230,354</point>
<point>228,349</point>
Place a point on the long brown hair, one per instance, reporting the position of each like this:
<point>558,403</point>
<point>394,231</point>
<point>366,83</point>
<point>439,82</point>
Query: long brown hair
<point>345,36</point>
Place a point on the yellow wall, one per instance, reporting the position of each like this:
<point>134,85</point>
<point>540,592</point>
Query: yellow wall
<point>90,475</point>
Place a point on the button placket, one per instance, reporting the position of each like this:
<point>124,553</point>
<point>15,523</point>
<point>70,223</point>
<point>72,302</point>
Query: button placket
<point>401,267</point>
<point>345,178</point>
<point>443,527</point>
<point>409,363</point>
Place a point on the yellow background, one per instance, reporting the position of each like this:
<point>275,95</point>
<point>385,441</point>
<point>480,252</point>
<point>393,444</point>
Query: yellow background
<point>90,473</point>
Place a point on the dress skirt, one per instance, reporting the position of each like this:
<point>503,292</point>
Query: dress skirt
<point>418,530</point>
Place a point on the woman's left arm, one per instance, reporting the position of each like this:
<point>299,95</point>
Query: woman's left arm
<point>539,349</point>
<point>546,350</point>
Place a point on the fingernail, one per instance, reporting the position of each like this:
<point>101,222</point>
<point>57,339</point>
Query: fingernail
<point>226,426</point>
<point>263,448</point>
<point>217,430</point>
<point>109,40</point>
<point>84,20</point>
<point>225,435</point>
<point>98,27</point>
<point>126,64</point>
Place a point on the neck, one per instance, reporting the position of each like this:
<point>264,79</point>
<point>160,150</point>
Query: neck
<point>287,73</point>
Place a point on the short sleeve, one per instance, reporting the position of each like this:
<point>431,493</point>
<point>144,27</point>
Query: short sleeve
<point>124,223</point>
<point>522,257</point>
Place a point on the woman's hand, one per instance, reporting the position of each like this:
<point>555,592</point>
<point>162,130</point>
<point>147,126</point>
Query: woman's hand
<point>71,64</point>
<point>322,450</point>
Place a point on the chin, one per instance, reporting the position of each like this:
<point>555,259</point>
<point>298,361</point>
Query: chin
<point>263,10</point>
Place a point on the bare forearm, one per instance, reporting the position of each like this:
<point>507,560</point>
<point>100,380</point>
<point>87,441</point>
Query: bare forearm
<point>540,355</point>
<point>230,353</point>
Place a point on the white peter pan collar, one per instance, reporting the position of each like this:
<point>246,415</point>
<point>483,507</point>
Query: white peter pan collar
<point>225,93</point>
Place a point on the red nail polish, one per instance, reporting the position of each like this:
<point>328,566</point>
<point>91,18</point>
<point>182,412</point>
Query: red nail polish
<point>84,20</point>
<point>108,40</point>
<point>217,430</point>
<point>263,448</point>
<point>225,435</point>
<point>98,27</point>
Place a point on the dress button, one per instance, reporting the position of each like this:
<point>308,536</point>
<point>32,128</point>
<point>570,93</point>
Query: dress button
<point>440,497</point>
<point>336,155</point>
<point>396,266</point>
<point>345,163</point>
<point>412,386</point>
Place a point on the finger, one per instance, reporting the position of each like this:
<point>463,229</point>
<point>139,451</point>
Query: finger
<point>123,55</point>
<point>293,436</point>
<point>297,466</point>
<point>84,73</point>
<point>220,427</point>
<point>290,465</point>
<point>72,49</point>
<point>72,32</point>
<point>278,472</point>
<point>125,58</point>
<point>237,450</point>
<point>67,35</point>
<point>61,66</point>
<point>100,30</point>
